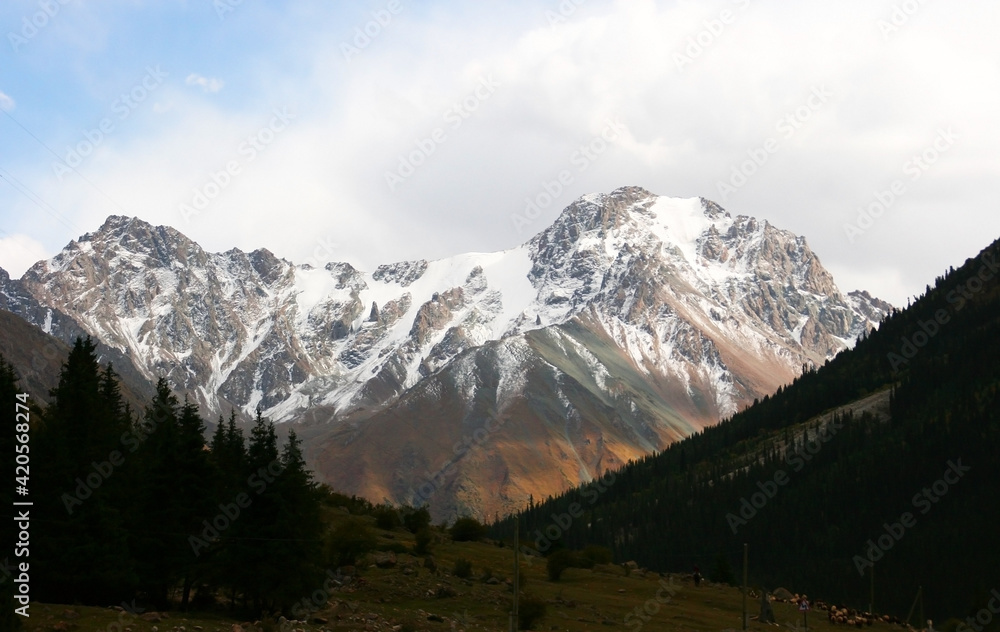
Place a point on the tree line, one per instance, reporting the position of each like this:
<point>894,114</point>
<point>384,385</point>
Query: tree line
<point>822,504</point>
<point>137,505</point>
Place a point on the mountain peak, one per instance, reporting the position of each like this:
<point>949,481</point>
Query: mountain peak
<point>117,222</point>
<point>634,318</point>
<point>635,264</point>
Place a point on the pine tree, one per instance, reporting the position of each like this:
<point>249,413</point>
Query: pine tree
<point>300,523</point>
<point>255,538</point>
<point>218,444</point>
<point>192,496</point>
<point>228,457</point>
<point>156,527</point>
<point>82,552</point>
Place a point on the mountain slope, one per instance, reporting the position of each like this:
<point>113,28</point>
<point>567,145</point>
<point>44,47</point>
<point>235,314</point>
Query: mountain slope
<point>36,340</point>
<point>24,346</point>
<point>879,457</point>
<point>632,321</point>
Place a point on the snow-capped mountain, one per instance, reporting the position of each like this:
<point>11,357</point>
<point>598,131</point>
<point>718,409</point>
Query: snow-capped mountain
<point>631,321</point>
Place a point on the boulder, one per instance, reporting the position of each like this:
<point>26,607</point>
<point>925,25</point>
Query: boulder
<point>781,593</point>
<point>385,559</point>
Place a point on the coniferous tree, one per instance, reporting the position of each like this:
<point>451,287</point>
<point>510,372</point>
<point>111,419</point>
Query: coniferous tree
<point>82,552</point>
<point>218,443</point>
<point>299,522</point>
<point>228,457</point>
<point>176,484</point>
<point>255,539</point>
<point>192,496</point>
<point>156,527</point>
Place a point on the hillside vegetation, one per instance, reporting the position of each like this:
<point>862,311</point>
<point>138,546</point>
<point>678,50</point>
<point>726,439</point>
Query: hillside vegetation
<point>822,485</point>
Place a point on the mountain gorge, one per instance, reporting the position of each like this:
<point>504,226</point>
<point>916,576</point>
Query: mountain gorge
<point>476,381</point>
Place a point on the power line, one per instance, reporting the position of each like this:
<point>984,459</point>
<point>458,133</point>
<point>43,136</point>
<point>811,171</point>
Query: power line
<point>58,157</point>
<point>25,190</point>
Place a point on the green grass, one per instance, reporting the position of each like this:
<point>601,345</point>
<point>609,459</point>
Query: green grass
<point>582,600</point>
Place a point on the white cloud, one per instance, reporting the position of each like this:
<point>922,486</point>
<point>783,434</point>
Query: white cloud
<point>6,103</point>
<point>322,179</point>
<point>207,84</point>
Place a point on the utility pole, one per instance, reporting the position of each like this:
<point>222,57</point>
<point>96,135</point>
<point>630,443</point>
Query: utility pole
<point>871,599</point>
<point>745,617</point>
<point>918,600</point>
<point>922,619</point>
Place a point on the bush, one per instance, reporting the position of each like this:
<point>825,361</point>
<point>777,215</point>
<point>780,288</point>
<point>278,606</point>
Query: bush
<point>430,564</point>
<point>349,540</point>
<point>583,562</point>
<point>558,562</point>
<point>203,599</point>
<point>353,504</point>
<point>597,554</point>
<point>386,518</point>
<point>467,529</point>
<point>463,568</point>
<point>416,519</point>
<point>424,538</point>
<point>530,610</point>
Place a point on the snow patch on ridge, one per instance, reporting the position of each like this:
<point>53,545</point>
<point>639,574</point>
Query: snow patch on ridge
<point>666,279</point>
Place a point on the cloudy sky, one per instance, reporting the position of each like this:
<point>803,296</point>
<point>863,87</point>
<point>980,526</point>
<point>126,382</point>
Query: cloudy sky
<point>381,131</point>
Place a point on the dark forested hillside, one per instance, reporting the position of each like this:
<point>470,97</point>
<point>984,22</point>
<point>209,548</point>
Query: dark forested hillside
<point>134,504</point>
<point>913,493</point>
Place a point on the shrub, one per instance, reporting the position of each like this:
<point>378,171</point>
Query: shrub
<point>386,518</point>
<point>430,564</point>
<point>558,562</point>
<point>583,562</point>
<point>395,547</point>
<point>467,529</point>
<point>463,568</point>
<point>348,541</point>
<point>597,554</point>
<point>424,538</point>
<point>353,504</point>
<point>416,519</point>
<point>530,611</point>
